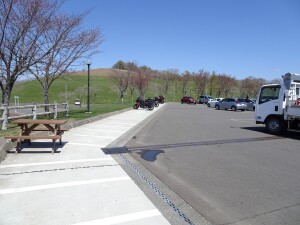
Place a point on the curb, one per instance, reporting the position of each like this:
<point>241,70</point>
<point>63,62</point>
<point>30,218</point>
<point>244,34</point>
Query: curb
<point>6,145</point>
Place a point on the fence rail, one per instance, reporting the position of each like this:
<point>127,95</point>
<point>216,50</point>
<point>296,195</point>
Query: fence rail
<point>36,110</point>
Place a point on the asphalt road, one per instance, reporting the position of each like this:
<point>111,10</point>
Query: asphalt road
<point>223,165</point>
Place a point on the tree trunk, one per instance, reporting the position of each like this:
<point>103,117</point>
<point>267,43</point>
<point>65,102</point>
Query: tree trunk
<point>6,95</point>
<point>46,97</point>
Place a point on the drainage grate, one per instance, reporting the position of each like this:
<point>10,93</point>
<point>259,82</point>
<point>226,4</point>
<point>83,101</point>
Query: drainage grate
<point>115,150</point>
<point>157,191</point>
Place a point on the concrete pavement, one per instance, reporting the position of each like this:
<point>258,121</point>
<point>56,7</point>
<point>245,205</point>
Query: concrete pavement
<point>78,184</point>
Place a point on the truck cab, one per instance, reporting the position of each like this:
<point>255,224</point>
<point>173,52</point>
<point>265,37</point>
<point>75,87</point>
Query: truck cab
<point>277,105</point>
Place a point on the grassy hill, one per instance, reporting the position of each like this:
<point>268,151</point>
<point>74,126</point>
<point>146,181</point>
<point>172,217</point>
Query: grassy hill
<point>104,94</point>
<point>74,86</point>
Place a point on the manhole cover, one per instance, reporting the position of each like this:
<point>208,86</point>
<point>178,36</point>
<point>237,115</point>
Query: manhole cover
<point>115,150</point>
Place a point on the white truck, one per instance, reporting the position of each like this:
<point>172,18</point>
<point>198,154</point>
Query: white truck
<point>278,105</point>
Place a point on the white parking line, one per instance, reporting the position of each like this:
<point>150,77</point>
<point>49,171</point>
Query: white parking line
<point>113,125</point>
<point>105,130</point>
<point>60,185</point>
<point>123,218</point>
<point>96,136</point>
<point>112,122</point>
<point>83,144</point>
<point>55,162</point>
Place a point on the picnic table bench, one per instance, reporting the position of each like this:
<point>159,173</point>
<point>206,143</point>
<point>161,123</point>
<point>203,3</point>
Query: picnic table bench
<point>28,126</point>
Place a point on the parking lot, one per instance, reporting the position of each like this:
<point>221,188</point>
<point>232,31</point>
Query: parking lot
<point>222,164</point>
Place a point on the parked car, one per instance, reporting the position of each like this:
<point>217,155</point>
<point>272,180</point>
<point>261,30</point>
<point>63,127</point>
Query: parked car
<point>188,100</point>
<point>212,102</point>
<point>250,104</point>
<point>203,99</point>
<point>232,103</point>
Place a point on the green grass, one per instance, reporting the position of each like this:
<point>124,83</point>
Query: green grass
<point>102,91</point>
<point>103,96</point>
<point>95,110</point>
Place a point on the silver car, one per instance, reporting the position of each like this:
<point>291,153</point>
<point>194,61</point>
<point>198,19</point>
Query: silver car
<point>250,104</point>
<point>232,103</point>
<point>212,102</point>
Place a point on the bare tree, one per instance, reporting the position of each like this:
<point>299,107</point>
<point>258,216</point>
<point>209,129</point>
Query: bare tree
<point>142,80</point>
<point>121,78</point>
<point>131,67</point>
<point>212,83</point>
<point>67,42</point>
<point>225,84</point>
<point>131,84</point>
<point>167,77</point>
<point>185,79</point>
<point>275,81</point>
<point>201,80</point>
<point>36,38</point>
<point>22,22</point>
<point>250,86</point>
<point>176,80</point>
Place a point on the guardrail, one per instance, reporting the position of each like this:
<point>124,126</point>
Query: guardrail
<point>6,115</point>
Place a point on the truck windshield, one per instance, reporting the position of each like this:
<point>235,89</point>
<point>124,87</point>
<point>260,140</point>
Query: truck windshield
<point>269,93</point>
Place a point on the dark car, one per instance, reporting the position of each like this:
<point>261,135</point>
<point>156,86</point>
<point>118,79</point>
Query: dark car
<point>188,100</point>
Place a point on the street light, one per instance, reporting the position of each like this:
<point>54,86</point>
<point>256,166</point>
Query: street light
<point>66,87</point>
<point>88,63</point>
<point>17,103</point>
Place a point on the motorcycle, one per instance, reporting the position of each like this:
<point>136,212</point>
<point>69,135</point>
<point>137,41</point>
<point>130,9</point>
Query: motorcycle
<point>155,102</point>
<point>140,103</point>
<point>160,99</point>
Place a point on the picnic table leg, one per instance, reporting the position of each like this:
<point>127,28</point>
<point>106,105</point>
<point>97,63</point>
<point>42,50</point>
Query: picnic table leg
<point>53,148</point>
<point>18,146</point>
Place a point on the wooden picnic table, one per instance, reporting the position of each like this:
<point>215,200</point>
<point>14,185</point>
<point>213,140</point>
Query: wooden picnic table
<point>27,126</point>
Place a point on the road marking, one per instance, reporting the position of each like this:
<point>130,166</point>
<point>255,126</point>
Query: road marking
<point>75,143</point>
<point>96,136</point>
<point>113,122</point>
<point>60,185</point>
<point>102,130</point>
<point>114,125</point>
<point>122,218</point>
<point>54,162</point>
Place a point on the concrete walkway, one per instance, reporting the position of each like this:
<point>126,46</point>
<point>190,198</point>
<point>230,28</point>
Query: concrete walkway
<point>78,184</point>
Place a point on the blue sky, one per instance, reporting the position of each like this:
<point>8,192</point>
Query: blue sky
<point>259,38</point>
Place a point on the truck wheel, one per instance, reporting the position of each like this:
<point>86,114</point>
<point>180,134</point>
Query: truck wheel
<point>274,125</point>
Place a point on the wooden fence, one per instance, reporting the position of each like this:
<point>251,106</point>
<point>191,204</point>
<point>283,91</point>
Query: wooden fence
<point>10,112</point>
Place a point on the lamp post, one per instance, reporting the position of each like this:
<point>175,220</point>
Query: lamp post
<point>16,102</point>
<point>66,88</point>
<point>88,63</point>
